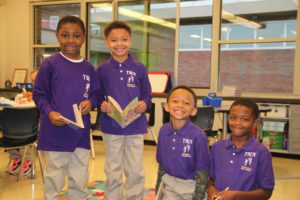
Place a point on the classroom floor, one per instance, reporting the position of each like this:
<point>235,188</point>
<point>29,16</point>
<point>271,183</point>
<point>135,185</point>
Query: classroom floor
<point>287,174</point>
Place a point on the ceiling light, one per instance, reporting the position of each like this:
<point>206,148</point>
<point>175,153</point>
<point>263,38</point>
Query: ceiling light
<point>195,36</point>
<point>239,20</point>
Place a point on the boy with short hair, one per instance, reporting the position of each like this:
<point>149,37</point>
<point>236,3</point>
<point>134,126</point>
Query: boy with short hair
<point>64,79</point>
<point>182,150</point>
<point>123,79</point>
<point>241,167</point>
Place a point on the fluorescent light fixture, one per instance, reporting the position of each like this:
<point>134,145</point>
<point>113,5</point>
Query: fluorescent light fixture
<point>195,36</point>
<point>207,39</point>
<point>225,29</point>
<point>137,15</point>
<point>147,18</point>
<point>293,32</point>
<point>260,38</point>
<point>239,20</point>
<point>46,55</point>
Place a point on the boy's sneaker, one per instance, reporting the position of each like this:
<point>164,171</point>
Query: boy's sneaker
<point>15,166</point>
<point>26,169</point>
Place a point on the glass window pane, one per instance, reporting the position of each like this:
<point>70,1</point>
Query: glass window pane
<point>195,43</point>
<point>258,70</point>
<point>46,18</point>
<point>261,19</point>
<point>41,53</point>
<point>100,14</point>
<point>153,32</point>
<point>189,37</point>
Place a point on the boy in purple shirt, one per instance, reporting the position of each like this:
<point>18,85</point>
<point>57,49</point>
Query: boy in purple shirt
<point>123,79</point>
<point>241,167</point>
<point>182,150</point>
<point>64,79</point>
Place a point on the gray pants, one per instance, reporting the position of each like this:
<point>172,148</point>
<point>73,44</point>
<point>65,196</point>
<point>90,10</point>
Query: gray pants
<point>177,189</point>
<point>61,164</point>
<point>124,155</point>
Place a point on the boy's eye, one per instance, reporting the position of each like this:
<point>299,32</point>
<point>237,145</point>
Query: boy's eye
<point>64,35</point>
<point>187,103</point>
<point>245,119</point>
<point>231,117</point>
<point>77,36</point>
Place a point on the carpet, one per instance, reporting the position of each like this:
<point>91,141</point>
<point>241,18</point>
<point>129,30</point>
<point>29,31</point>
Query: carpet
<point>96,192</point>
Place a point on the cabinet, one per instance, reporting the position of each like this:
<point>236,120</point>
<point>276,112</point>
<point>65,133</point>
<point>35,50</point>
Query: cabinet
<point>294,129</point>
<point>286,121</point>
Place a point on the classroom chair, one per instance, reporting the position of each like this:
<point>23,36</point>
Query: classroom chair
<point>204,118</point>
<point>151,120</point>
<point>20,129</point>
<point>95,115</point>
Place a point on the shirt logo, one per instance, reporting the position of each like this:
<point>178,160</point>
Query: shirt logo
<point>247,164</point>
<point>186,147</point>
<point>87,85</point>
<point>131,78</point>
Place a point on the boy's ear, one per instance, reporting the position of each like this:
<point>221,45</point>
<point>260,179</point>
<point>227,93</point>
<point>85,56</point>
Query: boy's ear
<point>106,43</point>
<point>256,123</point>
<point>194,112</point>
<point>166,107</point>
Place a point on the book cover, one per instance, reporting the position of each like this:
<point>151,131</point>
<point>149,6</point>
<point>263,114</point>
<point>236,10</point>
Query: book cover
<point>78,118</point>
<point>123,117</point>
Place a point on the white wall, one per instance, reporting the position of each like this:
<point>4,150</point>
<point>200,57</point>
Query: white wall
<point>14,37</point>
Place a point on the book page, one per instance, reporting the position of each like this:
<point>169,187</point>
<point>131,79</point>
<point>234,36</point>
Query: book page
<point>129,114</point>
<point>117,112</point>
<point>78,118</point>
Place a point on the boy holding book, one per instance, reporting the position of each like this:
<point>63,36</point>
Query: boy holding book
<point>123,79</point>
<point>241,167</point>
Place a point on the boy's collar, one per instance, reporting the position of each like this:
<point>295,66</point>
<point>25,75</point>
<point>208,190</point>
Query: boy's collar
<point>229,143</point>
<point>127,62</point>
<point>183,129</point>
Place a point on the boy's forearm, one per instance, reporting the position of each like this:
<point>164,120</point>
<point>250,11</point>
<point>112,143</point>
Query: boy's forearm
<point>211,189</point>
<point>160,173</point>
<point>261,194</point>
<point>201,182</point>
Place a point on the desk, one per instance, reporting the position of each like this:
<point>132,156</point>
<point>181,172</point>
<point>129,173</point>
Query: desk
<point>225,110</point>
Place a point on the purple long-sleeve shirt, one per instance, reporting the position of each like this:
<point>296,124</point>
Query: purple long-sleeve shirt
<point>124,81</point>
<point>60,83</point>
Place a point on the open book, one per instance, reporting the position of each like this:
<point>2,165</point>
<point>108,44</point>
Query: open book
<point>78,118</point>
<point>123,117</point>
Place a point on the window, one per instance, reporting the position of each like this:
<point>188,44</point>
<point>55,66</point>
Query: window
<point>263,58</point>
<point>100,14</point>
<point>195,43</point>
<point>153,32</point>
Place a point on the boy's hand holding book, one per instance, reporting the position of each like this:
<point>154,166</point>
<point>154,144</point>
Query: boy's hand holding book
<point>105,107</point>
<point>85,107</point>
<point>140,107</point>
<point>55,119</point>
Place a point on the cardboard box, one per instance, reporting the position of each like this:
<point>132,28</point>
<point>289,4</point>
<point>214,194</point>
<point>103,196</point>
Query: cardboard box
<point>276,139</point>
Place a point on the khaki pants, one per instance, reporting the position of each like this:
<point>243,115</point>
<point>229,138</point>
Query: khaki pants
<point>124,155</point>
<point>71,164</point>
<point>177,189</point>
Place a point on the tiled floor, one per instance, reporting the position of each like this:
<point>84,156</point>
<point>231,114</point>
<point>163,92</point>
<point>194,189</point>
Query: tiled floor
<point>287,173</point>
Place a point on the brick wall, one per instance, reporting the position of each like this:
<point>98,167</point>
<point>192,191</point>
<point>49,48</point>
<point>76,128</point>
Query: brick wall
<point>266,71</point>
